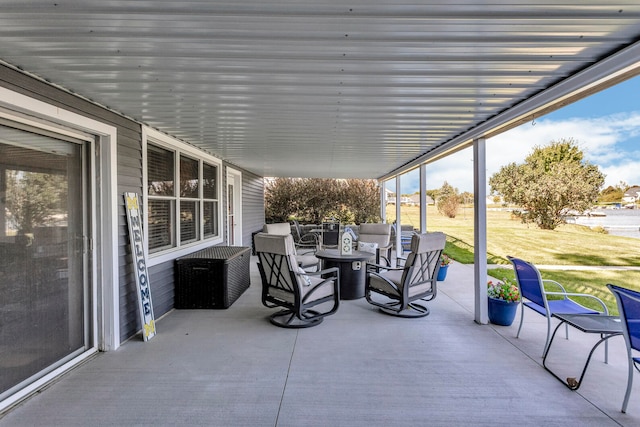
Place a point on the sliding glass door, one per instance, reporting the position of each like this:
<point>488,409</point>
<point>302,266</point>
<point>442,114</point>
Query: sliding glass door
<point>44,297</point>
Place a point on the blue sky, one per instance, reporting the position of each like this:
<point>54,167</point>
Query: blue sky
<point>605,125</point>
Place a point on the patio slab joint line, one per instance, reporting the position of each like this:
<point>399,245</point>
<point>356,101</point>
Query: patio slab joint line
<point>286,380</point>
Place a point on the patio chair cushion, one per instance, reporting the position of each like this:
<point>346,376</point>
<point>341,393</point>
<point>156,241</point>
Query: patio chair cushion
<point>280,228</point>
<point>307,260</point>
<point>284,229</point>
<point>394,276</point>
<point>320,292</point>
<point>306,280</point>
<point>368,247</point>
<point>277,245</point>
<point>375,233</point>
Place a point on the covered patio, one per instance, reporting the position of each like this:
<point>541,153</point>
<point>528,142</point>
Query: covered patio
<point>231,93</point>
<point>358,368</point>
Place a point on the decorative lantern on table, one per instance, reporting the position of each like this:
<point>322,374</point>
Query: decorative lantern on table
<point>346,244</point>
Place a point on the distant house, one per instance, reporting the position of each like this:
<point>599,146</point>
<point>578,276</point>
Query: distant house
<point>389,196</point>
<point>632,195</point>
<point>414,199</point>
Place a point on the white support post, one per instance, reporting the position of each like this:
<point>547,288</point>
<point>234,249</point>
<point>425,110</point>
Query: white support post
<point>480,230</point>
<point>423,198</point>
<point>383,201</point>
<point>398,224</point>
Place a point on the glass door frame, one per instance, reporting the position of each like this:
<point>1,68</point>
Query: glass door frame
<point>102,221</point>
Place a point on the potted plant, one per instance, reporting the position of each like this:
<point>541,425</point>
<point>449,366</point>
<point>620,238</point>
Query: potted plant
<point>503,302</point>
<point>445,260</point>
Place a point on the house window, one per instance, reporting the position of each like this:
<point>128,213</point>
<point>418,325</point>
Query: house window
<point>185,213</point>
<point>210,200</point>
<point>162,197</point>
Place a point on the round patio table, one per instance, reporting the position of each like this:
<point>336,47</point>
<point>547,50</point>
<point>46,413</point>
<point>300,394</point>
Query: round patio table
<point>352,270</point>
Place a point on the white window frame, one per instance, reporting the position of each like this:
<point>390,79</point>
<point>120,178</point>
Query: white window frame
<point>154,137</point>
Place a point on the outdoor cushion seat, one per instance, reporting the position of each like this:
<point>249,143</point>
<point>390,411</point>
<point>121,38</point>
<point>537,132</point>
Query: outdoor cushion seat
<point>306,261</point>
<point>279,228</point>
<point>305,298</point>
<point>321,289</point>
<point>533,295</point>
<point>400,291</point>
<point>393,281</point>
<point>380,235</point>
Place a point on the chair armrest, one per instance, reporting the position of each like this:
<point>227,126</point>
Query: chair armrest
<point>378,267</point>
<point>605,310</point>
<point>401,258</point>
<point>309,237</point>
<point>331,275</point>
<point>553,282</point>
<point>321,272</point>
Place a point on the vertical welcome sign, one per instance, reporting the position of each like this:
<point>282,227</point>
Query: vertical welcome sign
<point>140,263</point>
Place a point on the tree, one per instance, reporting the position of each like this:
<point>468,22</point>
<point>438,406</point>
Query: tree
<point>280,198</point>
<point>34,198</point>
<point>466,197</point>
<point>552,181</point>
<point>362,196</point>
<point>313,199</point>
<point>433,193</point>
<point>613,194</point>
<point>448,200</point>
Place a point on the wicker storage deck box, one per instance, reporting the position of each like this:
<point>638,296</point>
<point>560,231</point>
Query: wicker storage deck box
<point>212,278</point>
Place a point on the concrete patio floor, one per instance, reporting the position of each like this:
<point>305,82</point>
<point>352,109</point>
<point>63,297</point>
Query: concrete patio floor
<point>358,368</point>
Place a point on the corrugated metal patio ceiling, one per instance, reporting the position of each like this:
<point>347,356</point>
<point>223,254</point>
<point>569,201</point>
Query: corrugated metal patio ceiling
<point>313,88</point>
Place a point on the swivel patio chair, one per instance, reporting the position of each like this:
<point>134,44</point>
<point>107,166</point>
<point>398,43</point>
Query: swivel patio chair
<point>534,296</point>
<point>400,291</point>
<point>629,309</point>
<point>406,231</point>
<point>379,237</point>
<point>307,242</point>
<point>305,260</point>
<point>306,298</point>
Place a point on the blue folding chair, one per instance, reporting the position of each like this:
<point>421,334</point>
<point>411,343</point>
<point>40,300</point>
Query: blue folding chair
<point>629,309</point>
<point>533,291</point>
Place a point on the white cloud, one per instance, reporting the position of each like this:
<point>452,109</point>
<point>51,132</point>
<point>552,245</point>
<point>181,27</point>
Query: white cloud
<point>602,140</point>
<point>628,172</point>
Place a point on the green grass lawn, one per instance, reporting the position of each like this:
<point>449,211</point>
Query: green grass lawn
<point>570,245</point>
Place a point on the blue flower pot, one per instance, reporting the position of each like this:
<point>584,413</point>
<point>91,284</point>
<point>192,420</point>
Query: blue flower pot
<point>502,312</point>
<point>442,273</point>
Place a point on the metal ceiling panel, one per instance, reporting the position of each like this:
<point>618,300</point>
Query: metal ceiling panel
<point>314,88</point>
